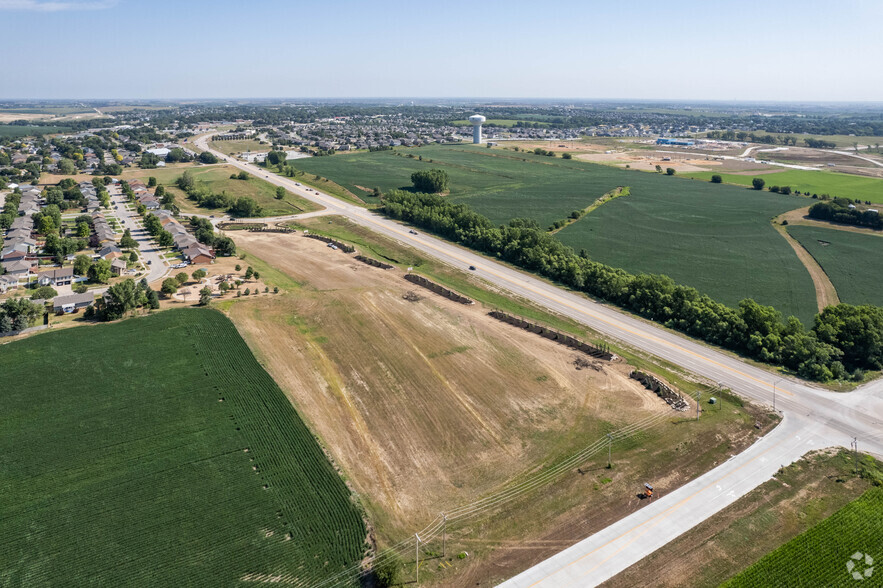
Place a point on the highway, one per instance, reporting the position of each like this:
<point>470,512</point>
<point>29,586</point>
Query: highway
<point>813,417</point>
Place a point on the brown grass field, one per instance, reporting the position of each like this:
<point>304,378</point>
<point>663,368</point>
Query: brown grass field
<point>428,405</point>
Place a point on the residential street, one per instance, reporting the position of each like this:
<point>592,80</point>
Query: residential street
<point>149,251</point>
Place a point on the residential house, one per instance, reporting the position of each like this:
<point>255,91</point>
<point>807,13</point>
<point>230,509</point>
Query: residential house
<point>19,269</point>
<point>184,240</point>
<point>62,276</point>
<point>73,302</point>
<point>118,266</point>
<point>198,254</point>
<point>8,283</point>
<point>110,252</point>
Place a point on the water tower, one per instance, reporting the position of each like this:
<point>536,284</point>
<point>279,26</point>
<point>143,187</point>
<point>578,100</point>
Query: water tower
<point>476,120</point>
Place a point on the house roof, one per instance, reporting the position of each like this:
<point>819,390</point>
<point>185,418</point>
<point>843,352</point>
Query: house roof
<point>196,250</point>
<point>76,299</point>
<point>57,273</point>
<point>118,262</point>
<point>109,249</point>
<point>19,265</point>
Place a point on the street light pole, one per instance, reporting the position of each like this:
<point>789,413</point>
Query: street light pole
<point>774,392</point>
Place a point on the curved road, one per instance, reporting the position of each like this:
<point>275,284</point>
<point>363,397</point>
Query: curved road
<point>813,417</point>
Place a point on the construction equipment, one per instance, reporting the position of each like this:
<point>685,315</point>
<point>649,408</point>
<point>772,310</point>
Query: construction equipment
<point>648,492</point>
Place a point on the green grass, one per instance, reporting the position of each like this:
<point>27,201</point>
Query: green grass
<point>814,182</point>
<point>853,261</point>
<point>122,467</point>
<point>819,556</point>
<point>716,238</point>
<point>217,179</point>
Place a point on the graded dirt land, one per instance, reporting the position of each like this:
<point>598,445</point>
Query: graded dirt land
<point>429,394</point>
<point>427,405</point>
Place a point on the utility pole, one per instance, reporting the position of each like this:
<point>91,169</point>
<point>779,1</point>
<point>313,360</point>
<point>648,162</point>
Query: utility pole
<point>609,445</point>
<point>698,401</point>
<point>418,558</point>
<point>444,534</point>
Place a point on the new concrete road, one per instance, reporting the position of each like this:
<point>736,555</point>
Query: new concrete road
<point>149,251</point>
<point>813,417</point>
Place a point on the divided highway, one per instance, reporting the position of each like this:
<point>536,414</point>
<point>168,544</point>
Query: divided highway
<point>813,417</point>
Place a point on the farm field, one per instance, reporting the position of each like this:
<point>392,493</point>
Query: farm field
<point>15,131</point>
<point>695,232</point>
<point>853,261</point>
<point>718,242</point>
<point>157,451</point>
<point>428,405</point>
<point>814,182</point>
<point>801,496</point>
<point>217,178</point>
<point>819,556</point>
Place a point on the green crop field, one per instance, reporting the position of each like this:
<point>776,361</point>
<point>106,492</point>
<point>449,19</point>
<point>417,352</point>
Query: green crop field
<point>814,182</point>
<point>719,241</point>
<point>14,131</point>
<point>717,238</point>
<point>156,451</point>
<point>853,261</point>
<point>820,556</point>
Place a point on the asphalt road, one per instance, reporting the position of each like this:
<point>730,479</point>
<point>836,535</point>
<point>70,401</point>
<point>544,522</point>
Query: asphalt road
<point>813,417</point>
<point>149,251</point>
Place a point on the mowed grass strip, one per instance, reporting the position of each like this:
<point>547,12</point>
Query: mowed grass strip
<point>853,262</point>
<point>814,182</point>
<point>157,451</point>
<point>819,556</point>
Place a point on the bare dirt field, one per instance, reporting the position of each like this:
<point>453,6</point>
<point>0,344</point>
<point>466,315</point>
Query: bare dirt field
<point>427,405</point>
<point>410,389</point>
<point>648,160</point>
<point>7,117</point>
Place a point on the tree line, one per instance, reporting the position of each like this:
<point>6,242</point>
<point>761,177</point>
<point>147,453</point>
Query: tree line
<point>845,340</point>
<point>838,211</point>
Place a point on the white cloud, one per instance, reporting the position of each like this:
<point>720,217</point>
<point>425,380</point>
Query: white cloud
<point>44,6</point>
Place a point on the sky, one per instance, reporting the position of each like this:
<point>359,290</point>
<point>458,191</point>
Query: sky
<point>777,50</point>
